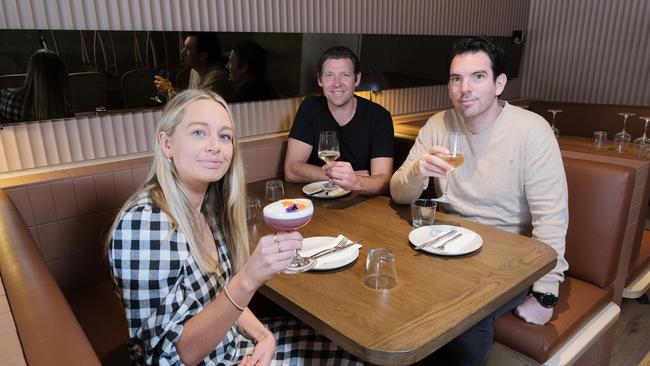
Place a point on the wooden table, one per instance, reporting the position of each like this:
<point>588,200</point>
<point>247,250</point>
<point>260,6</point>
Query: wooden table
<point>436,298</point>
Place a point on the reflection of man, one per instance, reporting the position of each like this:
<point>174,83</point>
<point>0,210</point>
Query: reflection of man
<point>247,69</point>
<point>364,130</point>
<point>512,178</point>
<point>202,52</point>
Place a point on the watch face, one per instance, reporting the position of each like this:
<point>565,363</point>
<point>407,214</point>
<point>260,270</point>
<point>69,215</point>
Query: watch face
<point>546,300</point>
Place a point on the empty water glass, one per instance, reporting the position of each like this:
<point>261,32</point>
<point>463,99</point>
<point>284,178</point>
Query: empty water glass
<point>423,212</point>
<point>253,209</point>
<point>381,272</point>
<point>600,139</point>
<point>274,190</point>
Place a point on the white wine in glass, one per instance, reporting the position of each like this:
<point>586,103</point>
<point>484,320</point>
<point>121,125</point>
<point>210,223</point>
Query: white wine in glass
<point>455,158</point>
<point>329,155</point>
<point>328,151</point>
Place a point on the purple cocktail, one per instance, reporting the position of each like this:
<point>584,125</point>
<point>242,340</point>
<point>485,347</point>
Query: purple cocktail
<point>289,215</point>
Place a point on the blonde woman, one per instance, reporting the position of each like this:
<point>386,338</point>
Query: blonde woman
<point>179,253</point>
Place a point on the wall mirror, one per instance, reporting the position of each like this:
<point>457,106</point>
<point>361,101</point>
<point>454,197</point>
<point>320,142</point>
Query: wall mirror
<point>112,71</point>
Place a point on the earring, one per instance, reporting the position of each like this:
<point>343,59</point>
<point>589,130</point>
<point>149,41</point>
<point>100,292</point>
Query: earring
<point>169,159</point>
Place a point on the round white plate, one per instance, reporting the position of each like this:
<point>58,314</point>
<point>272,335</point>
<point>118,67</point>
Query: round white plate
<point>315,244</point>
<point>310,188</point>
<point>467,243</point>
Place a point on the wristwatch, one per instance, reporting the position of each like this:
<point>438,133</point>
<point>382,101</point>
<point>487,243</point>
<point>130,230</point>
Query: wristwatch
<point>547,300</point>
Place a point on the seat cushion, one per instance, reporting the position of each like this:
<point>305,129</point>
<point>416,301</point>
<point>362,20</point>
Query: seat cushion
<point>101,316</point>
<point>578,302</point>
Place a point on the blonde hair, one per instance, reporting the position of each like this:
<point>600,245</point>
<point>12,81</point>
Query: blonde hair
<point>223,204</point>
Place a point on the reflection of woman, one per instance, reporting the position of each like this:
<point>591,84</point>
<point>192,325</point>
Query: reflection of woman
<point>179,252</point>
<point>45,95</point>
<point>247,67</point>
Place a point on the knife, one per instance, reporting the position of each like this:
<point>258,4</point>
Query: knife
<point>436,238</point>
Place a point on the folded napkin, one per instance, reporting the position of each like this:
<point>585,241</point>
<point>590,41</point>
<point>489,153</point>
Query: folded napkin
<point>331,257</point>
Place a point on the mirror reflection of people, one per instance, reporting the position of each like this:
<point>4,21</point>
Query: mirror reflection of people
<point>179,253</point>
<point>364,129</point>
<point>202,52</point>
<point>45,94</point>
<point>513,179</point>
<point>247,72</point>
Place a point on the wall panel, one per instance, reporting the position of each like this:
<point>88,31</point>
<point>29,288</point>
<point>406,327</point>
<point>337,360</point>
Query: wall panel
<point>25,146</point>
<point>590,51</point>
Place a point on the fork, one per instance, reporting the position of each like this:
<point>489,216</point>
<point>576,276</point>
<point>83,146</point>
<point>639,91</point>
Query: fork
<point>342,244</point>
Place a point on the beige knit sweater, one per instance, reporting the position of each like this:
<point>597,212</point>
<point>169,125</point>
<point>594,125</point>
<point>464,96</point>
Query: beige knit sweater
<point>512,179</point>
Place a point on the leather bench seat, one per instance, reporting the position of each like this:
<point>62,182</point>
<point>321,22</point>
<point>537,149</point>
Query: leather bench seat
<point>102,318</point>
<point>600,196</point>
<point>539,343</point>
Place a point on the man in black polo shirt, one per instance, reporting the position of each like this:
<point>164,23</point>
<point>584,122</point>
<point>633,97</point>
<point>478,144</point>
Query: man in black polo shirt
<point>364,130</point>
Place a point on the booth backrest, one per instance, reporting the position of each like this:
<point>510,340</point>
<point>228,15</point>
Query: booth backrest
<point>582,119</point>
<point>48,329</point>
<point>596,218</point>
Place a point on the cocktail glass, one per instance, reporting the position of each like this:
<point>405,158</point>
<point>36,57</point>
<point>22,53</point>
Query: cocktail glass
<point>290,215</point>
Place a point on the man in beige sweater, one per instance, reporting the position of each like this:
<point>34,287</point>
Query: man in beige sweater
<point>512,178</point>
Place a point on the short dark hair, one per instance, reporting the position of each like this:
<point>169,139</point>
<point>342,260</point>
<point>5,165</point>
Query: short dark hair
<point>336,53</point>
<point>477,44</point>
<point>253,55</point>
<point>209,43</point>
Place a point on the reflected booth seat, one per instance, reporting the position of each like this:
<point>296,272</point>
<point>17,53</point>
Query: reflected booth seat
<point>599,200</point>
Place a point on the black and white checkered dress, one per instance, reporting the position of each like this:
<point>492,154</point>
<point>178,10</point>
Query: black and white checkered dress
<point>11,104</point>
<point>161,287</point>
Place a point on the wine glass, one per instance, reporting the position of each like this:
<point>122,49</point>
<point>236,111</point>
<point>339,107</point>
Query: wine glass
<point>290,215</point>
<point>328,150</point>
<point>643,140</point>
<point>159,98</point>
<point>621,139</point>
<point>556,131</point>
<point>455,158</point>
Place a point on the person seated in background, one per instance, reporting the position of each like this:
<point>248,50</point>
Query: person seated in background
<point>45,95</point>
<point>179,253</point>
<point>364,130</point>
<point>247,67</point>
<point>512,179</point>
<point>202,52</point>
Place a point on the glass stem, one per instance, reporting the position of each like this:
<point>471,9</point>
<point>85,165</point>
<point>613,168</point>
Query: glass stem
<point>645,129</point>
<point>624,122</point>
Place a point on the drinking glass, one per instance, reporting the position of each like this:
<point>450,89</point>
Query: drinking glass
<point>643,140</point>
<point>328,150</point>
<point>381,273</point>
<point>600,139</point>
<point>279,215</point>
<point>423,212</point>
<point>455,158</point>
<point>253,207</point>
<point>274,190</point>
<point>556,131</point>
<point>159,98</point>
<point>621,139</point>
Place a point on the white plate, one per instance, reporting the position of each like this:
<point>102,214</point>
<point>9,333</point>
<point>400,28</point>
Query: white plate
<point>467,243</point>
<point>339,259</point>
<point>317,186</point>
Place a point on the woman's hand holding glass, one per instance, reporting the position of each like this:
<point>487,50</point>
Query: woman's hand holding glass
<point>271,256</point>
